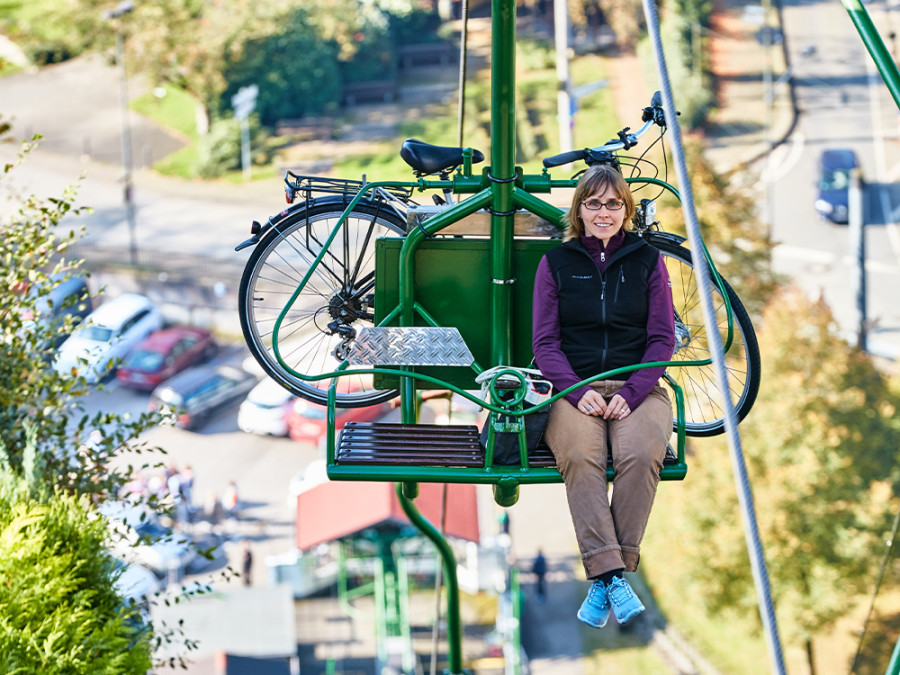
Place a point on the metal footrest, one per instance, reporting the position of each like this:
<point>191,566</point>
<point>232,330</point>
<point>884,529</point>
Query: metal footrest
<point>410,346</point>
<point>409,445</point>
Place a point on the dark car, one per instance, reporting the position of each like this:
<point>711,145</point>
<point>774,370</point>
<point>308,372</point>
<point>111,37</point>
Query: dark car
<point>834,184</point>
<point>192,397</point>
<point>165,353</point>
<point>68,296</point>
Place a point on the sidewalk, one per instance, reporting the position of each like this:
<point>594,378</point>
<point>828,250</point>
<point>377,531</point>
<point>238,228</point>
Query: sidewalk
<point>746,126</point>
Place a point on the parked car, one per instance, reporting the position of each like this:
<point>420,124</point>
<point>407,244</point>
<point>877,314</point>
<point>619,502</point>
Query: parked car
<point>834,184</point>
<point>192,397</point>
<point>307,420</point>
<point>266,409</point>
<point>67,296</point>
<point>107,335</point>
<point>136,582</point>
<point>165,353</point>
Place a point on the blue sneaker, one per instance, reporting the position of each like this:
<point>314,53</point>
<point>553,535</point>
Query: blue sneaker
<point>625,604</point>
<point>594,610</point>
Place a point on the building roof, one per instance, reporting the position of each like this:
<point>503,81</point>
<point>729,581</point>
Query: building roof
<point>338,509</point>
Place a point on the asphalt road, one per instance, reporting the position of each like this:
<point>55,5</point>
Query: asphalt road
<point>843,103</point>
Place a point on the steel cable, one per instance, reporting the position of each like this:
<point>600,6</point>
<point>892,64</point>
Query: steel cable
<point>745,493</point>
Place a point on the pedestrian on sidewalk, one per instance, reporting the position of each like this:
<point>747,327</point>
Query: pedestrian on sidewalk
<point>230,500</point>
<point>247,563</point>
<point>602,300</point>
<point>539,569</point>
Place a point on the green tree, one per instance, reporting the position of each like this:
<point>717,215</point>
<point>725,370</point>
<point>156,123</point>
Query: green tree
<point>296,72</point>
<point>59,612</point>
<point>59,608</point>
<point>821,447</point>
<point>38,405</point>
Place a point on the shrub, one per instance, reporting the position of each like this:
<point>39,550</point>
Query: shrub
<point>220,150</point>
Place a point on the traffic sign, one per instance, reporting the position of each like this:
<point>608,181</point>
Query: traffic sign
<point>244,101</point>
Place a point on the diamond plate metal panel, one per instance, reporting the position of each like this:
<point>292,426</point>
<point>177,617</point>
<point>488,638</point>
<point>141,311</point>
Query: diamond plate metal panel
<point>410,346</point>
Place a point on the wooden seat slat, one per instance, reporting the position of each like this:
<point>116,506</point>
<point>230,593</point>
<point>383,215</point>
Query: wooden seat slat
<point>374,443</point>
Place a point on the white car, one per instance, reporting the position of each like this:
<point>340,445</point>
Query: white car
<point>266,409</point>
<point>136,583</point>
<point>107,335</point>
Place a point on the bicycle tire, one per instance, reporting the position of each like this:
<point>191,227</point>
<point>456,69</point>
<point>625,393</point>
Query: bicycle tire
<point>339,292</point>
<point>704,404</point>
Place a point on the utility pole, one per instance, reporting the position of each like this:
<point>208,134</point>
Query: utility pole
<point>857,229</point>
<point>563,97</point>
<point>121,10</point>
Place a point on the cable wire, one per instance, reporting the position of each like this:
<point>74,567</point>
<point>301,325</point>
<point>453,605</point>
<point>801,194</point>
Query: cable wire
<point>745,493</point>
<point>884,563</point>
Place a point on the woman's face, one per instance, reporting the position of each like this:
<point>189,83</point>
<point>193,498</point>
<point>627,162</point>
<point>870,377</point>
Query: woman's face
<point>602,223</point>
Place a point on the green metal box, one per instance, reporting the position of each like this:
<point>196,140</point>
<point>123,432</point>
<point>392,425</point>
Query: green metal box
<point>453,284</point>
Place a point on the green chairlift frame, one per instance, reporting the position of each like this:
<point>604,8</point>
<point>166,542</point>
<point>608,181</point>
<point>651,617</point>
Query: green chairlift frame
<point>501,188</point>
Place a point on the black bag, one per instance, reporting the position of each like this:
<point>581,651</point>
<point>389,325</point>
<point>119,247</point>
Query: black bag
<point>506,444</point>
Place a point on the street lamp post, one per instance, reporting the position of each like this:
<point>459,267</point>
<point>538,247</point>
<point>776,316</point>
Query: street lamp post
<point>121,10</point>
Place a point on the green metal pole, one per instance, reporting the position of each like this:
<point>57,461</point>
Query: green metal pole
<point>454,623</point>
<point>515,591</point>
<point>894,666</point>
<point>502,175</point>
<point>875,45</point>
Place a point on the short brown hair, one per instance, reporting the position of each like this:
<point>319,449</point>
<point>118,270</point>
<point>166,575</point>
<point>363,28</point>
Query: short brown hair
<point>598,178</point>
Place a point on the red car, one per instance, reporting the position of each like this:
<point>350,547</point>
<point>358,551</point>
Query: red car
<point>307,420</point>
<point>164,353</point>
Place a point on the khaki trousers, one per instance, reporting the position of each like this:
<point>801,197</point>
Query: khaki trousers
<point>609,531</point>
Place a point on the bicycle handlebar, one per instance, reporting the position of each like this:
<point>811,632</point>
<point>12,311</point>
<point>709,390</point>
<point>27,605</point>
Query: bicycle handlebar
<point>565,158</point>
<point>651,116</point>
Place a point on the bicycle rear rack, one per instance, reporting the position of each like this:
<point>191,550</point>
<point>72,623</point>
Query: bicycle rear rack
<point>310,186</point>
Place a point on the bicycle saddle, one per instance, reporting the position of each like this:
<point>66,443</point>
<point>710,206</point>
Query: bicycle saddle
<point>427,159</point>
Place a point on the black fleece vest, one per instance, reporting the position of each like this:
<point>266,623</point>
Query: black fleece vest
<point>603,317</point>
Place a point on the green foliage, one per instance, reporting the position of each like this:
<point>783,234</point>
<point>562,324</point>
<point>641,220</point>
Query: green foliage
<point>821,447</point>
<point>38,405</point>
<point>296,72</point>
<point>59,612</point>
<point>414,27</point>
<point>689,77</point>
<point>626,18</point>
<point>220,150</point>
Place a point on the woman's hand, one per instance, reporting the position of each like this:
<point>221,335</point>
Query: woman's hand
<point>617,409</point>
<point>592,403</point>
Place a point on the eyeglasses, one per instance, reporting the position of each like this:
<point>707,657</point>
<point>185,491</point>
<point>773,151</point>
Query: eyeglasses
<point>596,204</point>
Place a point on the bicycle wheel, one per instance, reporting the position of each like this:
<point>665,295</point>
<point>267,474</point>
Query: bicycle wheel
<point>704,403</point>
<point>336,302</point>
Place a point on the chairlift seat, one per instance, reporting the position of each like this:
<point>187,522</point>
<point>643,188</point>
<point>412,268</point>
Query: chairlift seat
<point>440,445</point>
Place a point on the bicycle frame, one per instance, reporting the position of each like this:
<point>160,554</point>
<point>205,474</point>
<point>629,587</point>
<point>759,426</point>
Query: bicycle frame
<point>463,183</point>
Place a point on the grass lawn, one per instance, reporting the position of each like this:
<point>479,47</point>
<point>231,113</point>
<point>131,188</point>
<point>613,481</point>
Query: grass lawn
<point>171,107</point>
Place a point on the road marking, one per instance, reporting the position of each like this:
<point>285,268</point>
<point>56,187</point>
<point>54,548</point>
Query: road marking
<point>872,265</point>
<point>804,254</point>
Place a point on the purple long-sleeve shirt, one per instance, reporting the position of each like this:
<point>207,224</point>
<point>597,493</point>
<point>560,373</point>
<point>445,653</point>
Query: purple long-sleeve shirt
<point>547,341</point>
